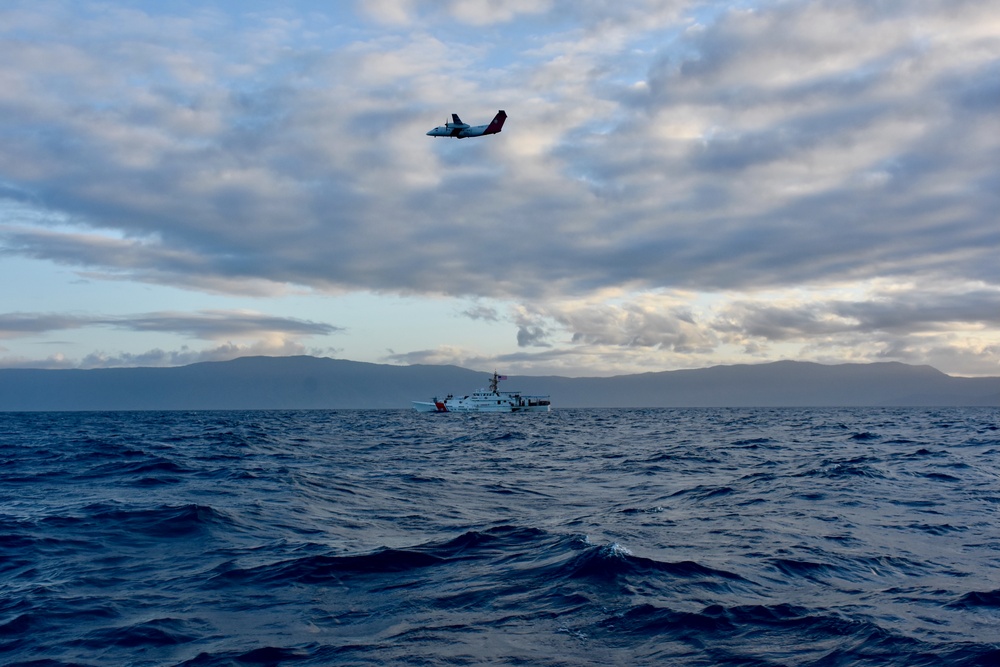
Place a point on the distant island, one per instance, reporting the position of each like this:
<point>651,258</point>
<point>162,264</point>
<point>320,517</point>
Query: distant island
<point>252,383</point>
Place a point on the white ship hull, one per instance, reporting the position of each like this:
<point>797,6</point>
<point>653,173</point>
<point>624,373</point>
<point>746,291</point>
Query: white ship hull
<point>453,406</point>
<point>486,400</point>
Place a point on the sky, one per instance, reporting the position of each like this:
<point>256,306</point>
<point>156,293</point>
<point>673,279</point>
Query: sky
<point>678,184</point>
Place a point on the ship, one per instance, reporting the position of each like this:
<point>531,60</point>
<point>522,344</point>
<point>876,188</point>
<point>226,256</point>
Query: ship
<point>486,400</point>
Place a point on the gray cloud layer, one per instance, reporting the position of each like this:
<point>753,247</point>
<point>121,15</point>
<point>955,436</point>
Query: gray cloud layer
<point>209,325</point>
<point>274,335</point>
<point>650,146</point>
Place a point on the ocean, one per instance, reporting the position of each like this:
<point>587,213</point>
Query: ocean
<point>577,537</point>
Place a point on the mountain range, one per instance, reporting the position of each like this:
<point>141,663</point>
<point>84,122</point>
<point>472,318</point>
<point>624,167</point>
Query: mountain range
<point>322,383</point>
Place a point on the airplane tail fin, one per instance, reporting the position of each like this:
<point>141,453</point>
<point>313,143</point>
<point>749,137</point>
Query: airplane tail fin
<point>497,124</point>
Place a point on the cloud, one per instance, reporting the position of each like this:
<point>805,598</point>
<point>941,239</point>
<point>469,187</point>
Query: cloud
<point>13,325</point>
<point>812,156</point>
<point>652,148</point>
<point>257,334</point>
<point>889,311</point>
<point>274,346</point>
<point>441,356</point>
<point>952,323</point>
<point>468,12</point>
<point>528,336</point>
<point>652,320</point>
<point>480,312</point>
<point>204,325</point>
<point>531,327</point>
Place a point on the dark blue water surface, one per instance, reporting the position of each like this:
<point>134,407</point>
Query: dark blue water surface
<point>576,537</point>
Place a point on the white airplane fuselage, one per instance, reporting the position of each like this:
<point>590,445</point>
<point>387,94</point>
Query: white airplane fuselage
<point>460,130</point>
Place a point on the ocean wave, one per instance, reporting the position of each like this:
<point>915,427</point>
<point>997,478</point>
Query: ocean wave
<point>977,599</point>
<point>716,537</point>
<point>324,569</point>
<point>780,634</point>
<point>703,492</point>
<point>153,633</point>
<point>161,521</point>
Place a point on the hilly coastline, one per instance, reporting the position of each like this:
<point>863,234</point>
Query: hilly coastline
<point>321,383</point>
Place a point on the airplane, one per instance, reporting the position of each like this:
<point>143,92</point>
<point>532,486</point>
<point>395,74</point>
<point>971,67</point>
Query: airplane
<point>460,130</point>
